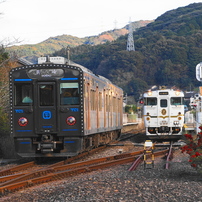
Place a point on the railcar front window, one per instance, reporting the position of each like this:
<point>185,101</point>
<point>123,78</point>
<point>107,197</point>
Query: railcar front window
<point>69,93</point>
<point>46,94</point>
<point>23,94</point>
<point>163,103</point>
<point>151,101</point>
<point>176,101</point>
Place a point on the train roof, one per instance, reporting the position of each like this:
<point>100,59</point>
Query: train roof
<point>61,60</point>
<point>166,91</point>
<point>158,88</point>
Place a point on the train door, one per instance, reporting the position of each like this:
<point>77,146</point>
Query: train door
<point>97,102</point>
<point>163,112</point>
<point>46,107</point>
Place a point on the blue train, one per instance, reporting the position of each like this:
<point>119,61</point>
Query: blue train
<point>60,108</point>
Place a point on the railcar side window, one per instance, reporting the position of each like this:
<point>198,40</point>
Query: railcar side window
<point>163,103</point>
<point>23,94</point>
<point>46,94</point>
<point>69,94</point>
<point>150,101</point>
<point>176,101</point>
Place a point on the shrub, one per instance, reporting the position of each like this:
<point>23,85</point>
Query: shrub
<point>194,149</point>
<point>130,109</point>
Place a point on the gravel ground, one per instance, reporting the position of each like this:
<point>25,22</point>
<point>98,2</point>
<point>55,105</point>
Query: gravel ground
<point>180,183</point>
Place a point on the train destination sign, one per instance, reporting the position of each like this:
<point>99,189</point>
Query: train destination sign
<point>45,73</point>
<point>163,93</point>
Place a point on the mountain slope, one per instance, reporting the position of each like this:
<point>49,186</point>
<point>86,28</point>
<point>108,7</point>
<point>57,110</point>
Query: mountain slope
<point>53,44</point>
<point>167,52</point>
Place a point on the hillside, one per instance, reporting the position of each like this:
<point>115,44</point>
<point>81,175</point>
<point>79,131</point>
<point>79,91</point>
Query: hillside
<point>53,44</point>
<point>167,52</point>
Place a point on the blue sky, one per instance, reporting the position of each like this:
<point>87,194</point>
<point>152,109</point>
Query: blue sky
<point>33,21</point>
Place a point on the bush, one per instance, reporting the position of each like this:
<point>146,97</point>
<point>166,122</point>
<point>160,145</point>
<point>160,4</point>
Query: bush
<point>194,149</point>
<point>130,109</point>
<point>4,122</point>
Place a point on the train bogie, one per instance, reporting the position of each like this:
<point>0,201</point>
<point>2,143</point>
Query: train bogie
<point>62,109</point>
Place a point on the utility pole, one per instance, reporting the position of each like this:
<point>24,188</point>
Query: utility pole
<point>130,42</point>
<point>68,54</point>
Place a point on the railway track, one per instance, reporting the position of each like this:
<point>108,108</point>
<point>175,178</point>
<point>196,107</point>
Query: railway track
<point>63,170</point>
<point>169,156</point>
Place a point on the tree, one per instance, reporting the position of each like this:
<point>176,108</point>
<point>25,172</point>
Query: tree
<point>3,55</point>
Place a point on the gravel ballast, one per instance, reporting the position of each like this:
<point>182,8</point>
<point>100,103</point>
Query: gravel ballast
<point>116,184</point>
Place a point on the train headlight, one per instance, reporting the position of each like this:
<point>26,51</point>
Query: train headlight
<point>147,118</point>
<point>70,120</point>
<point>149,93</point>
<point>22,121</point>
<point>179,118</point>
<point>177,93</point>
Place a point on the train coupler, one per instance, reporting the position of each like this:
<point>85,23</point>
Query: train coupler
<point>46,147</point>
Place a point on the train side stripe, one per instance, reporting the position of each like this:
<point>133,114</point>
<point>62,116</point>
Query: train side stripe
<point>69,79</point>
<point>25,142</point>
<point>163,116</point>
<point>70,130</point>
<point>23,79</point>
<point>69,141</point>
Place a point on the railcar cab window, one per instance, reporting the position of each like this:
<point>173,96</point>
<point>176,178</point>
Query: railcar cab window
<point>46,95</point>
<point>152,101</point>
<point>163,103</point>
<point>177,101</point>
<point>23,94</point>
<point>69,93</point>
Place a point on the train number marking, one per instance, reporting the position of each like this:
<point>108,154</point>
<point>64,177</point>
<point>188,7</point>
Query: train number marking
<point>74,109</point>
<point>19,110</point>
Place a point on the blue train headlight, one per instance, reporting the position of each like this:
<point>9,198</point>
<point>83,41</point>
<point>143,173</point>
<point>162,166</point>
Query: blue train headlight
<point>70,120</point>
<point>22,121</point>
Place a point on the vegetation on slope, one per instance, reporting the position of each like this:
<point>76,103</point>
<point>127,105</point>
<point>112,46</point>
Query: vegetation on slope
<point>166,53</point>
<point>53,44</point>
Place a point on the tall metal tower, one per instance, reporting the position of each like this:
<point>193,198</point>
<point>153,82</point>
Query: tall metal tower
<point>130,42</point>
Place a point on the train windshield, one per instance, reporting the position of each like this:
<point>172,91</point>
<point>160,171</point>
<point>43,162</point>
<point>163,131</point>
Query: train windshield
<point>163,103</point>
<point>69,93</point>
<point>46,94</point>
<point>23,94</point>
<point>150,101</point>
<point>176,101</point>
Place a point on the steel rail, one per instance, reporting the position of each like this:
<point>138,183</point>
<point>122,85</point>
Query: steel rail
<point>169,157</point>
<point>51,169</point>
<point>16,168</point>
<point>56,173</point>
<point>140,159</point>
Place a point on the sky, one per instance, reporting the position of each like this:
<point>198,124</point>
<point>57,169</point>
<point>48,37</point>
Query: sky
<point>33,21</point>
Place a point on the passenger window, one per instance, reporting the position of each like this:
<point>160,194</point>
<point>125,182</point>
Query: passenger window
<point>23,94</point>
<point>69,94</point>
<point>163,103</point>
